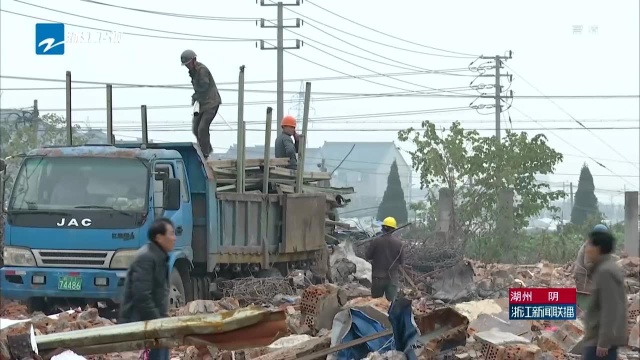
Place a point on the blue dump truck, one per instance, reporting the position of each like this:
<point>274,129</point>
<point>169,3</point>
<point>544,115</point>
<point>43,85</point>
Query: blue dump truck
<point>77,215</point>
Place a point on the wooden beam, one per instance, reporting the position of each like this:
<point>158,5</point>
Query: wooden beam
<point>247,163</point>
<point>308,176</point>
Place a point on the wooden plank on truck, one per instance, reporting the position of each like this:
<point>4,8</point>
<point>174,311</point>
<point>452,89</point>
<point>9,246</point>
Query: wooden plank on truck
<point>308,176</point>
<point>247,163</point>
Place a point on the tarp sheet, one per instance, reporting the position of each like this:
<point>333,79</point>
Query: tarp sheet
<point>353,324</point>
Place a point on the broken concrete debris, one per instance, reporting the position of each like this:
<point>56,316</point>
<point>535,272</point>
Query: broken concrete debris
<point>461,313</point>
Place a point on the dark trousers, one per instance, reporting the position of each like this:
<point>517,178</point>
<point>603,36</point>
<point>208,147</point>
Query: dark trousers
<point>383,287</point>
<point>159,354</point>
<point>589,353</point>
<point>200,129</point>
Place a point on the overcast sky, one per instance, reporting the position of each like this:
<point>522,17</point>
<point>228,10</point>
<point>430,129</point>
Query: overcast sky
<point>548,52</point>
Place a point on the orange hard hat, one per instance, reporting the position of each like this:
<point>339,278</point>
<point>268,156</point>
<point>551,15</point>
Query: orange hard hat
<point>288,120</point>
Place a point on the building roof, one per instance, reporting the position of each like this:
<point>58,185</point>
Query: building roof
<point>365,155</point>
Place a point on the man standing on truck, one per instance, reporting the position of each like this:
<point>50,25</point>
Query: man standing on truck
<point>146,293</point>
<point>582,266</point>
<point>385,254</point>
<point>285,147</point>
<point>206,94</point>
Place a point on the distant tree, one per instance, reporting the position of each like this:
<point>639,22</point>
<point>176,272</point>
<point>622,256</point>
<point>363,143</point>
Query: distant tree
<point>585,204</point>
<point>393,202</point>
<point>29,131</point>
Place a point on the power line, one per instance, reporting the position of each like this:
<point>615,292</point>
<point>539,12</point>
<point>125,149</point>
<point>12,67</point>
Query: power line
<point>386,34</point>
<point>375,72</point>
<point>186,16</point>
<point>573,146</point>
<point>405,93</point>
<point>213,38</point>
<point>338,95</point>
<point>571,116</point>
<point>174,128</point>
<point>125,25</point>
<point>411,67</point>
<point>189,86</point>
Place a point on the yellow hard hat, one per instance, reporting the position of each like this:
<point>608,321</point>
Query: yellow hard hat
<point>390,222</point>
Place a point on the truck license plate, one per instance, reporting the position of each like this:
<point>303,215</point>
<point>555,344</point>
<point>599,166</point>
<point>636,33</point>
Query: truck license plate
<point>71,283</point>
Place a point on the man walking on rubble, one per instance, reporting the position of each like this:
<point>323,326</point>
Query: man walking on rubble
<point>582,266</point>
<point>606,316</point>
<point>285,147</point>
<point>146,293</point>
<point>386,255</point>
<point>208,98</point>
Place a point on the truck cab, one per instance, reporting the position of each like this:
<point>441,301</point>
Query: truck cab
<point>77,216</point>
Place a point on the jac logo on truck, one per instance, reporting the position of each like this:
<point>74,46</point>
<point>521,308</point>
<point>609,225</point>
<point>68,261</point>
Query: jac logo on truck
<point>74,222</point>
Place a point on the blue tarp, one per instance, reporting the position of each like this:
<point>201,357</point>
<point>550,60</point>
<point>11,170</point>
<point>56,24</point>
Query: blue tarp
<point>362,326</point>
<point>405,334</point>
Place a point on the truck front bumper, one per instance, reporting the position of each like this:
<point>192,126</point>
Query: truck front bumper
<point>23,283</point>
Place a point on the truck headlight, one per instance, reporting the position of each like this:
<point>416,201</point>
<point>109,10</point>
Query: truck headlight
<point>16,256</point>
<point>122,259</point>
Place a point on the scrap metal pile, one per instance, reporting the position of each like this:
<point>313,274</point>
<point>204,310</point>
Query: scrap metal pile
<point>452,323</point>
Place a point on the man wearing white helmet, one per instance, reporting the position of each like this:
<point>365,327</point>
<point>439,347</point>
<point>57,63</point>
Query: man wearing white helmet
<point>206,94</point>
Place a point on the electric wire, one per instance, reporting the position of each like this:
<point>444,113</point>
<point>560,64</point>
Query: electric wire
<point>562,138</point>
<point>213,39</point>
<point>386,34</point>
<point>126,25</point>
<point>375,72</point>
<point>410,93</point>
<point>189,86</point>
<point>186,16</point>
<point>568,114</point>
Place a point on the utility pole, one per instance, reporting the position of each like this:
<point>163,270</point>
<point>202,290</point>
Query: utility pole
<point>571,195</point>
<point>280,48</point>
<point>498,97</point>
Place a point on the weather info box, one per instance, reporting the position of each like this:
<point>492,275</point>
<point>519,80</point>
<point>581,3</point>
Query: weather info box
<point>542,304</point>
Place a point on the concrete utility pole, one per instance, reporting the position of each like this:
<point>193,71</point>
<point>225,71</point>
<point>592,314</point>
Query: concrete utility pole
<point>571,195</point>
<point>280,50</point>
<point>631,237</point>
<point>498,88</point>
<point>68,108</point>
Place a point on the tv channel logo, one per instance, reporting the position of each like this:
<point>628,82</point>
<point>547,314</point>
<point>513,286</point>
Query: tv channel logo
<point>50,39</point>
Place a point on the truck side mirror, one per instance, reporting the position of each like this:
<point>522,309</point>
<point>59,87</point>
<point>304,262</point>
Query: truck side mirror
<point>171,194</point>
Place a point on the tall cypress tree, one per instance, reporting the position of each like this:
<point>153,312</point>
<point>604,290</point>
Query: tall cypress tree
<point>585,203</point>
<point>393,202</point>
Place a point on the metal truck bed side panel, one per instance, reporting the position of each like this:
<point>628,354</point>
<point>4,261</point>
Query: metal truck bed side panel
<point>241,219</point>
<point>303,226</point>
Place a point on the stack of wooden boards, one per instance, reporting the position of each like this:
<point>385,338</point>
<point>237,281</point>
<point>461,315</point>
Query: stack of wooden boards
<point>281,180</point>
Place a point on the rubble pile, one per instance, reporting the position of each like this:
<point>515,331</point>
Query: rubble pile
<point>461,313</point>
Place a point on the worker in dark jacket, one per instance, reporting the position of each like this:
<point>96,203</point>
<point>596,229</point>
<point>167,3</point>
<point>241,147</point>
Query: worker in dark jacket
<point>285,147</point>
<point>385,254</point>
<point>606,316</point>
<point>582,266</point>
<point>146,293</point>
<point>207,95</point>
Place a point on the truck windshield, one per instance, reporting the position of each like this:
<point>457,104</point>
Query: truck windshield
<point>65,183</point>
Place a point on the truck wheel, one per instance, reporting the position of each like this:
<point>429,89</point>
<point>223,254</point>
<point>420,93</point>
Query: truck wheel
<point>269,273</point>
<point>176,290</point>
<point>37,304</point>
